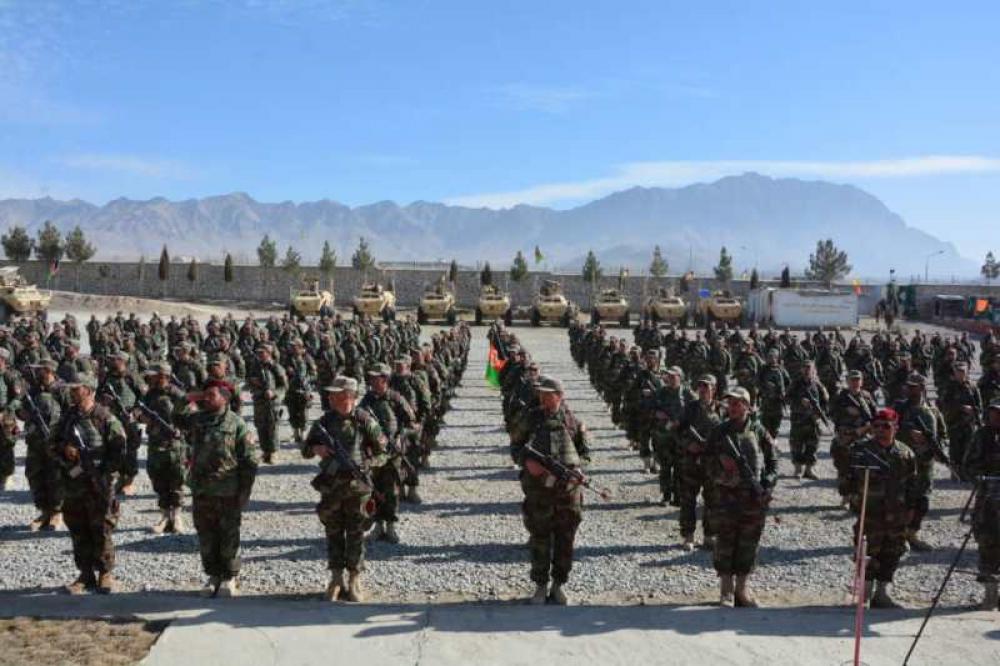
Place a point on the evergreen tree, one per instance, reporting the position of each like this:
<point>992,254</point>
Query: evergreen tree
<point>267,252</point>
<point>991,268</point>
<point>786,278</point>
<point>362,259</point>
<point>291,261</point>
<point>827,264</point>
<point>724,269</point>
<point>486,275</point>
<point>227,268</point>
<point>453,272</point>
<point>592,271</point>
<point>163,270</point>
<point>49,247</point>
<point>17,244</point>
<point>327,260</point>
<point>519,268</point>
<point>192,273</point>
<point>658,267</point>
<point>754,279</point>
<point>78,250</point>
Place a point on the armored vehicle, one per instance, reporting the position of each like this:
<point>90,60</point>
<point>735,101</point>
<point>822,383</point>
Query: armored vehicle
<point>610,305</point>
<point>310,300</point>
<point>375,301</point>
<point>493,304</point>
<point>17,297</point>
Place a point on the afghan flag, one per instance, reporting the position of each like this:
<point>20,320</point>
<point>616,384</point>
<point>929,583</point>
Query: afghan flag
<point>53,269</point>
<point>494,364</point>
<point>857,287</point>
<point>539,257</point>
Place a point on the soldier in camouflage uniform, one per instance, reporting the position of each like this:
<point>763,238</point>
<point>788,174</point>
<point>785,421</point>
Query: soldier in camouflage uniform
<point>989,383</point>
<point>552,511</point>
<point>224,458</point>
<point>40,414</point>
<point>774,382</point>
<point>698,421</point>
<point>962,409</point>
<point>923,430</point>
<point>267,381</point>
<point>891,491</point>
<point>118,392</point>
<point>743,468</point>
<point>301,373</point>
<point>8,425</point>
<point>90,444</point>
<point>851,411</point>
<point>345,498</point>
<point>806,397</point>
<point>166,447</point>
<point>982,464</point>
<point>668,406</point>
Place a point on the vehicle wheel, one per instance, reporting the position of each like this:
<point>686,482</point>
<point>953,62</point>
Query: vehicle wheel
<point>421,316</point>
<point>536,317</point>
<point>451,317</point>
<point>626,320</point>
<point>508,317</point>
<point>479,317</point>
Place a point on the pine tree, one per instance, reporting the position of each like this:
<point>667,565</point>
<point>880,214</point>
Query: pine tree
<point>49,247</point>
<point>17,244</point>
<point>724,269</point>
<point>453,272</point>
<point>192,273</point>
<point>827,264</point>
<point>362,259</point>
<point>267,252</point>
<point>327,261</point>
<point>658,267</point>
<point>227,268</point>
<point>291,261</point>
<point>991,268</point>
<point>592,271</point>
<point>754,279</point>
<point>78,250</point>
<point>519,268</point>
<point>486,275</point>
<point>163,270</point>
<point>786,278</point>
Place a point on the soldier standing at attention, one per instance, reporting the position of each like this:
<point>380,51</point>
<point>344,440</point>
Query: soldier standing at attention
<point>90,443</point>
<point>167,454</point>
<point>852,412</point>
<point>806,398</point>
<point>699,419</point>
<point>268,382</point>
<point>983,460</point>
<point>552,510</point>
<point>349,442</point>
<point>891,489</point>
<point>40,416</point>
<point>962,408</point>
<point>223,468</point>
<point>774,382</point>
<point>743,469</point>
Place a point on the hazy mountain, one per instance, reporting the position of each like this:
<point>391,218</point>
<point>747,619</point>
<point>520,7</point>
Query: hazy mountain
<point>761,220</point>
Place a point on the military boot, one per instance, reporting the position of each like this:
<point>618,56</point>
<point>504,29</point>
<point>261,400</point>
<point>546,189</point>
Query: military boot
<point>378,531</point>
<point>868,589</point>
<point>390,533</point>
<point>55,522</point>
<point>211,587</point>
<point>298,435</point>
<point>654,467</point>
<point>688,543</point>
<point>161,526</point>
<point>916,543</point>
<point>797,473</point>
<point>41,521</point>
<point>336,586</point>
<point>414,495</point>
<point>744,597</point>
<point>177,525</point>
<point>267,458</point>
<point>809,474</point>
<point>557,596</point>
<point>355,592</point>
<point>991,598</point>
<point>540,595</point>
<point>84,582</point>
<point>106,583</point>
<point>726,591</point>
<point>229,587</point>
<point>882,598</point>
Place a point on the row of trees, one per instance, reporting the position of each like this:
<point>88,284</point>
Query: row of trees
<point>49,245</point>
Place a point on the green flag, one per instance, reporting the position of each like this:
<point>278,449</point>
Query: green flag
<point>539,257</point>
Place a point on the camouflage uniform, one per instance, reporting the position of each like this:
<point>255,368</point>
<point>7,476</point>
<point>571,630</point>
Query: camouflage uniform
<point>803,438</point>
<point>668,406</point>
<point>698,421</point>
<point>301,373</point>
<point>264,378</point>
<point>920,417</point>
<point>127,388</point>
<point>393,414</point>
<point>166,451</point>
<point>962,408</point>
<point>40,468</point>
<point>983,459</point>
<point>774,383</point>
<point>8,425</point>
<point>852,415</point>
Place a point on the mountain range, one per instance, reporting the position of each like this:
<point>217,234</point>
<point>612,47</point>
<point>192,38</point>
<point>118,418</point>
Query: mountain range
<point>763,221</point>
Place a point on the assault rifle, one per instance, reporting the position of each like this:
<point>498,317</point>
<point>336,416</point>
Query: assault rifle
<point>563,474</point>
<point>88,464</point>
<point>817,409</point>
<point>154,416</point>
<point>344,462</point>
<point>746,473</point>
<point>36,415</point>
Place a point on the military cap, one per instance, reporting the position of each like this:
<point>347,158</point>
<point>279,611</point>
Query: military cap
<point>675,370</point>
<point>75,344</point>
<point>216,359</point>
<point>886,414</point>
<point>994,404</point>
<point>855,374</point>
<point>46,363</point>
<point>159,368</point>
<point>772,353</point>
<point>120,356</point>
<point>547,384</point>
<point>5,353</point>
<point>961,365</point>
<point>402,360</point>
<point>706,379</point>
<point>652,353</point>
<point>533,366</point>
<point>296,342</point>
<point>262,346</point>
<point>341,384</point>
<point>916,379</point>
<point>84,379</point>
<point>739,393</point>
<point>379,370</point>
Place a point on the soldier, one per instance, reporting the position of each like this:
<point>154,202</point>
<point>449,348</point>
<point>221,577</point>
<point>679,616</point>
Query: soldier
<point>167,451</point>
<point>8,424</point>
<point>891,491</point>
<point>774,382</point>
<point>394,414</point>
<point>668,406</point>
<point>962,409</point>
<point>698,421</point>
<point>118,392</point>
<point>301,372</point>
<point>348,441</point>
<point>90,443</point>
<point>224,460</point>
<point>268,382</point>
<point>852,412</point>
<point>807,399</point>
<point>41,410</point>
<point>923,430</point>
<point>982,464</point>
<point>551,510</point>
<point>989,383</point>
<point>743,468</point>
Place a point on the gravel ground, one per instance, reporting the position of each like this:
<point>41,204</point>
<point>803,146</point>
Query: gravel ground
<point>467,540</point>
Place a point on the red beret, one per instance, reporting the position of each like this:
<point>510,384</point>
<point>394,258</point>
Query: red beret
<point>886,414</point>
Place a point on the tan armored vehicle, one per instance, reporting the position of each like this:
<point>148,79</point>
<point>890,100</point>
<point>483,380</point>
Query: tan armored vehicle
<point>551,305</point>
<point>664,306</point>
<point>310,300</point>
<point>610,305</point>
<point>438,303</point>
<point>375,301</point>
<point>493,304</point>
<point>17,297</point>
<point>721,307</point>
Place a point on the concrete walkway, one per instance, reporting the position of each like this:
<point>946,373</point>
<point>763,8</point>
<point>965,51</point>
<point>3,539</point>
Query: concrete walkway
<point>250,631</point>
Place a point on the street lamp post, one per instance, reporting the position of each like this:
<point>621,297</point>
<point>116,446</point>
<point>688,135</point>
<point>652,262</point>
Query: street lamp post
<point>927,263</point>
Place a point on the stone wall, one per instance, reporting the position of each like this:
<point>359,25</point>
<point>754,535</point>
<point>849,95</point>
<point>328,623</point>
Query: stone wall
<point>263,285</point>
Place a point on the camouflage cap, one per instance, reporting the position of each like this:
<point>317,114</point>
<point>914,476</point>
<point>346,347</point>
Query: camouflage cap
<point>401,360</point>
<point>84,379</point>
<point>903,354</point>
<point>217,359</point>
<point>547,384</point>
<point>159,368</point>
<point>675,370</point>
<point>855,374</point>
<point>379,370</point>
<point>47,363</point>
<point>707,379</point>
<point>342,384</point>
<point>120,356</point>
<point>262,346</point>
<point>739,393</point>
<point>916,379</point>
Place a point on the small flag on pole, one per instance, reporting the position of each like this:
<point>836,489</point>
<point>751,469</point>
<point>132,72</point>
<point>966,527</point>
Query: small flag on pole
<point>857,287</point>
<point>53,268</point>
<point>539,257</point>
<point>493,366</point>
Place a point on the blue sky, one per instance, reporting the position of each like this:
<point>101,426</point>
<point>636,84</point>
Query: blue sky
<point>552,103</point>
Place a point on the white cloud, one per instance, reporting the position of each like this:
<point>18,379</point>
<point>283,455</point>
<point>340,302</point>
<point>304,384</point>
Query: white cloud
<point>133,164</point>
<point>674,174</point>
